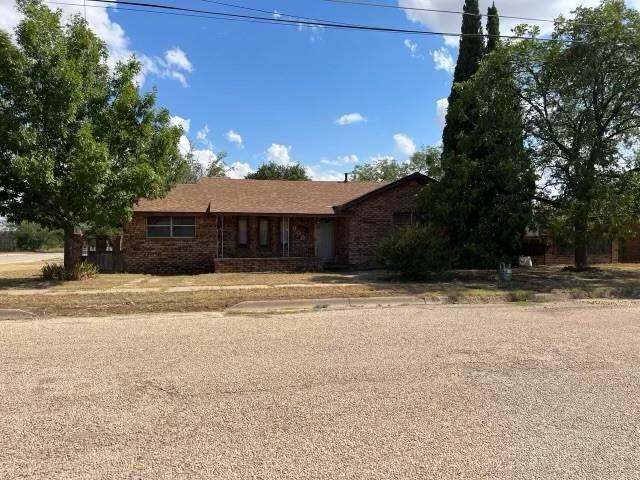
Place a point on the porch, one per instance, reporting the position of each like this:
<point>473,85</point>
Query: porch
<point>251,243</point>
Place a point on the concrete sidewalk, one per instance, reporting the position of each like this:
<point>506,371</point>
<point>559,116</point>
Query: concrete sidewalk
<point>16,292</point>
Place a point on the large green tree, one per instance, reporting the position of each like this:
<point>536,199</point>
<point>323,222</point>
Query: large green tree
<point>388,169</point>
<point>581,96</point>
<point>470,53</point>
<point>276,171</point>
<point>79,145</point>
<point>485,205</point>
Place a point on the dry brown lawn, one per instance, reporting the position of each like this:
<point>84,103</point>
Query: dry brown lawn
<point>538,284</point>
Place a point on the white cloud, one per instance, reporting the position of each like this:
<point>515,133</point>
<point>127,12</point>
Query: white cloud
<point>315,31</point>
<point>180,77</point>
<point>178,59</point>
<point>349,118</point>
<point>442,105</point>
<point>411,46</point>
<point>239,170</point>
<point>235,137</point>
<point>205,157</point>
<point>279,154</point>
<point>316,172</point>
<point>405,144</point>
<point>203,134</point>
<point>184,145</point>
<point>185,123</point>
<point>445,22</point>
<point>443,60</point>
<point>345,160</point>
<point>114,36</point>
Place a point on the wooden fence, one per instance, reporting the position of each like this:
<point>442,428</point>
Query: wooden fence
<point>7,242</point>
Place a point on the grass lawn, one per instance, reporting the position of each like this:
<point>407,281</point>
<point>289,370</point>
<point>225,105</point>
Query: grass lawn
<point>130,293</point>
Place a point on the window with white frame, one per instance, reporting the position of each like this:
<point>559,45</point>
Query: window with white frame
<point>243,232</point>
<point>171,227</point>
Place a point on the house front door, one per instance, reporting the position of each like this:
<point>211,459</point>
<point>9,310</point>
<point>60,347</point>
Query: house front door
<point>325,241</point>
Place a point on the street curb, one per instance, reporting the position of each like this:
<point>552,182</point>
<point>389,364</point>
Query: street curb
<point>322,303</point>
<point>15,314</point>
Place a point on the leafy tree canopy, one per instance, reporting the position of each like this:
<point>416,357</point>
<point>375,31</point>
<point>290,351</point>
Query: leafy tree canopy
<point>276,171</point>
<point>388,169</point>
<point>78,142</point>
<point>581,97</point>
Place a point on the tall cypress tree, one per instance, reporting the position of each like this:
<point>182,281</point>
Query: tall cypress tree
<point>470,54</point>
<point>493,28</point>
<point>483,201</point>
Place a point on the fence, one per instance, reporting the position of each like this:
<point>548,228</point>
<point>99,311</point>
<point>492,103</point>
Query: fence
<point>107,262</point>
<point>7,242</point>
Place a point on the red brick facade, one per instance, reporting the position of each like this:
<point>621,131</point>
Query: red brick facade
<point>274,264</point>
<point>169,255</point>
<point>370,221</point>
<point>357,233</point>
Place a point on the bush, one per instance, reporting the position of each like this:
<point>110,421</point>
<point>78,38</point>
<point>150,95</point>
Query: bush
<point>53,272</point>
<point>57,272</point>
<point>31,236</point>
<point>416,252</point>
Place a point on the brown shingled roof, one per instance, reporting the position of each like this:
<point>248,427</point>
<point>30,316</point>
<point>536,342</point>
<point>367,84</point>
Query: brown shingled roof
<point>268,197</point>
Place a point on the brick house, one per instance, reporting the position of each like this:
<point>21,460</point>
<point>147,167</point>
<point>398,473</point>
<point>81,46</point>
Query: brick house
<point>225,225</point>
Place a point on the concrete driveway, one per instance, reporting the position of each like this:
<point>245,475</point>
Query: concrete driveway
<point>468,392</point>
<point>28,257</point>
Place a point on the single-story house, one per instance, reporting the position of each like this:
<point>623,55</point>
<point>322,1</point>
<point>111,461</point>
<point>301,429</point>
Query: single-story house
<point>226,225</point>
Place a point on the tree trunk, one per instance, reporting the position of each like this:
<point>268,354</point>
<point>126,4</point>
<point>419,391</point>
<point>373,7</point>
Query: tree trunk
<point>70,254</point>
<point>581,259</point>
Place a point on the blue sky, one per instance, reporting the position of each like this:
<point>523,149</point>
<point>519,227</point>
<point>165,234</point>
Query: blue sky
<point>325,98</point>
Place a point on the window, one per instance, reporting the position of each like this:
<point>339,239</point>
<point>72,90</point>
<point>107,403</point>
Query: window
<point>243,238</point>
<point>171,227</point>
<point>405,219</point>
<point>264,232</point>
<point>183,227</point>
<point>284,232</point>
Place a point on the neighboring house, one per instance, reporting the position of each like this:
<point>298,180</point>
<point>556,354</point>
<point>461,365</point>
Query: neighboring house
<point>544,251</point>
<point>226,225</point>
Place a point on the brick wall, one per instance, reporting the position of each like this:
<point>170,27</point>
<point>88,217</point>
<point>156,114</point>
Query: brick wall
<point>555,258</point>
<point>266,264</point>
<point>372,220</point>
<point>169,255</point>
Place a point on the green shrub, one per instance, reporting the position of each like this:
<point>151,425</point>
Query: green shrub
<point>416,252</point>
<point>57,272</point>
<point>31,236</point>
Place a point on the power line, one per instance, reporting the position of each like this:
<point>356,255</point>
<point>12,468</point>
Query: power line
<point>436,10</point>
<point>156,12</point>
<point>268,12</point>
<point>323,23</point>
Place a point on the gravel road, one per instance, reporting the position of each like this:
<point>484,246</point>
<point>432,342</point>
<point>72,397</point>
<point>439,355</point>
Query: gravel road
<point>540,392</point>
